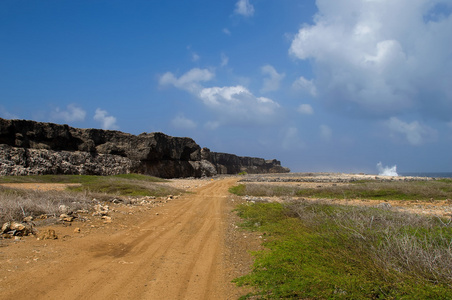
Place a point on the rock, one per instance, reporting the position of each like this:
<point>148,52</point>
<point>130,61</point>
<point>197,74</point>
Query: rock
<point>28,219</point>
<point>107,219</point>
<point>48,234</point>
<point>17,226</point>
<point>64,209</point>
<point>100,210</point>
<point>6,227</point>
<point>6,236</point>
<point>66,218</point>
<point>30,148</point>
<point>16,229</point>
<point>77,230</point>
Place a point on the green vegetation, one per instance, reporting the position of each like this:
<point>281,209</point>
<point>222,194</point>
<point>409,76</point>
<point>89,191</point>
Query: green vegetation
<point>411,190</point>
<point>316,250</point>
<point>74,178</point>
<point>243,173</point>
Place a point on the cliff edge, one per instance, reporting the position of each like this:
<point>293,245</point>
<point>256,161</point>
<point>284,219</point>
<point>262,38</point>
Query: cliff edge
<point>29,148</point>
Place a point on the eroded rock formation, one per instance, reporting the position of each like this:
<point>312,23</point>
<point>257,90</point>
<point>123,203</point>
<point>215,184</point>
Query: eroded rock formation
<point>29,147</point>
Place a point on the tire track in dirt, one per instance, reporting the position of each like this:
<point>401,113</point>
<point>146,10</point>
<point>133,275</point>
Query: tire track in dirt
<point>178,254</point>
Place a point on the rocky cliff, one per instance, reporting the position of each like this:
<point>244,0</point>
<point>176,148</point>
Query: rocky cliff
<point>29,147</point>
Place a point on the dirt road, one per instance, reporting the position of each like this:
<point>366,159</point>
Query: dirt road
<point>177,251</point>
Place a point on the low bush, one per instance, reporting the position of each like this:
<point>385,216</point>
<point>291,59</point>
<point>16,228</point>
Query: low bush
<point>15,204</point>
<point>316,250</point>
<point>414,190</point>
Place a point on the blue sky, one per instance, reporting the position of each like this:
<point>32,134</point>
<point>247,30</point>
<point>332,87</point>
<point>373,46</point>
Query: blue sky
<point>326,85</point>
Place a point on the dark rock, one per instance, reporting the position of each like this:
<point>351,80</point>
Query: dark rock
<point>28,147</point>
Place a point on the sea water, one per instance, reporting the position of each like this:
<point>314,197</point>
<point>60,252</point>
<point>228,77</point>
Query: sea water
<point>427,174</point>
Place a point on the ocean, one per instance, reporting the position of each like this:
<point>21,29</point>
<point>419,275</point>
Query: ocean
<point>427,174</point>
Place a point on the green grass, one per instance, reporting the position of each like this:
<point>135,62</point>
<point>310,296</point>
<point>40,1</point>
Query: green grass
<point>324,251</point>
<point>74,178</point>
<point>124,184</point>
<point>373,190</point>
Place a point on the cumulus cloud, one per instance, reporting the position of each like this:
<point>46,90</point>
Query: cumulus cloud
<point>272,82</point>
<point>106,121</point>
<point>181,122</point>
<point>237,103</point>
<point>305,109</point>
<point>380,57</point>
<point>305,85</point>
<point>72,113</point>
<point>232,104</point>
<point>189,81</point>
<point>414,133</point>
<point>244,8</point>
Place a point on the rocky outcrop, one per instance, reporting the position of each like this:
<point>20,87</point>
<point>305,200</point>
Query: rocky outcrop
<point>232,164</point>
<point>28,147</point>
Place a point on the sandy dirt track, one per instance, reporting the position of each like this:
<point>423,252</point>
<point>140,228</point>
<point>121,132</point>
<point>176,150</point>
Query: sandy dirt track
<point>177,251</point>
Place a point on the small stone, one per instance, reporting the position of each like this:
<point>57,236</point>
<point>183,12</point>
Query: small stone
<point>107,219</point>
<point>6,226</point>
<point>77,230</point>
<point>64,209</point>
<point>17,226</point>
<point>28,219</point>
<point>66,218</point>
<point>48,234</point>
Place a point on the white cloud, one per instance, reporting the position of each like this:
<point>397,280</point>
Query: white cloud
<point>305,85</point>
<point>181,122</point>
<point>188,81</point>
<point>244,8</point>
<point>305,109</point>
<point>72,113</point>
<point>414,133</point>
<point>224,60</point>
<point>380,57</point>
<point>238,104</point>
<point>195,57</point>
<point>7,115</point>
<point>325,132</point>
<point>272,82</point>
<point>232,104</point>
<point>107,122</point>
<point>226,31</point>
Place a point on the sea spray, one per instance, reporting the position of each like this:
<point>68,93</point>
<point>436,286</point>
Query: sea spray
<point>387,171</point>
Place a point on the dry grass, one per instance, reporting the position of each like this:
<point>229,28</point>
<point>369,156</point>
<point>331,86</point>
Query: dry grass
<point>17,204</point>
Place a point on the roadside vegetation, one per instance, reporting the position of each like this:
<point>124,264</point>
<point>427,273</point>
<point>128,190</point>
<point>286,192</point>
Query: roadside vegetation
<point>318,250</point>
<point>411,190</point>
<point>15,204</point>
